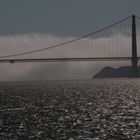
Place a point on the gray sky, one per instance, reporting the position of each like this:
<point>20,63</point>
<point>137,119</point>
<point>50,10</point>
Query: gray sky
<point>25,23</point>
<point>62,17</point>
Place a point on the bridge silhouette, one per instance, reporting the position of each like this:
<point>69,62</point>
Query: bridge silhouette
<point>116,42</point>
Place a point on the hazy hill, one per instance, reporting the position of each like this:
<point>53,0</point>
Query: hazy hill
<point>122,72</point>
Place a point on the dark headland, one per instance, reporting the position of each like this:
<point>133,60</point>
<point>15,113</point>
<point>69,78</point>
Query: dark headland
<point>122,72</point>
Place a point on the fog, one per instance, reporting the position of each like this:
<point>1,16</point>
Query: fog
<point>97,47</point>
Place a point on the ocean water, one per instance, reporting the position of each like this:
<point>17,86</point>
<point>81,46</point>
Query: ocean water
<point>105,109</point>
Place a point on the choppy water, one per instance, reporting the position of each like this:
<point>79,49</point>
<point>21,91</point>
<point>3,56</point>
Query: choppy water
<point>70,110</point>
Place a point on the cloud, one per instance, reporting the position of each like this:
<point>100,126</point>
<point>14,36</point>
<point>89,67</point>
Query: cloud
<point>118,45</point>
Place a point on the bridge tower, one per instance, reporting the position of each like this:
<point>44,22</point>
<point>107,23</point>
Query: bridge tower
<point>134,59</point>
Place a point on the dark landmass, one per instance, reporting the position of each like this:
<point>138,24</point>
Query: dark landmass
<point>122,72</point>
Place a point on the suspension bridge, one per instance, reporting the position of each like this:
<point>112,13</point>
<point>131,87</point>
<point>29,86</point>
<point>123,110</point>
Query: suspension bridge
<point>116,42</point>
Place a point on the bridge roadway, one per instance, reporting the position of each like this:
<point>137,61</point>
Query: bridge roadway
<point>66,59</point>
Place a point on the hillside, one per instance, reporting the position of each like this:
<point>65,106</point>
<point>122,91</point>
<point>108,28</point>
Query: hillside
<point>122,72</point>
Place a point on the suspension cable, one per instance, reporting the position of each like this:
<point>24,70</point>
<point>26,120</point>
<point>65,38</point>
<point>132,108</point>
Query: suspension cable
<point>67,42</point>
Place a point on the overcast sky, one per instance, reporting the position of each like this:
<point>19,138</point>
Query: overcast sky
<point>60,19</point>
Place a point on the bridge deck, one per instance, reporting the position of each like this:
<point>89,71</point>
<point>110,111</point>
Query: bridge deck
<point>65,59</point>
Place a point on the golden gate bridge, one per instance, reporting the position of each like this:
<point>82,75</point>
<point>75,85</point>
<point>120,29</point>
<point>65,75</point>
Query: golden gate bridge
<point>116,42</point>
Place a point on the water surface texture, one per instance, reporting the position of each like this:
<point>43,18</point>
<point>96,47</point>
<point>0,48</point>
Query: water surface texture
<point>70,110</point>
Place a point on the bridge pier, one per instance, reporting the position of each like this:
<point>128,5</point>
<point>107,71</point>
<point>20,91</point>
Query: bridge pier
<point>134,59</point>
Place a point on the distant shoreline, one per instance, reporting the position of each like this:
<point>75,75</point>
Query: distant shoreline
<point>122,72</point>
